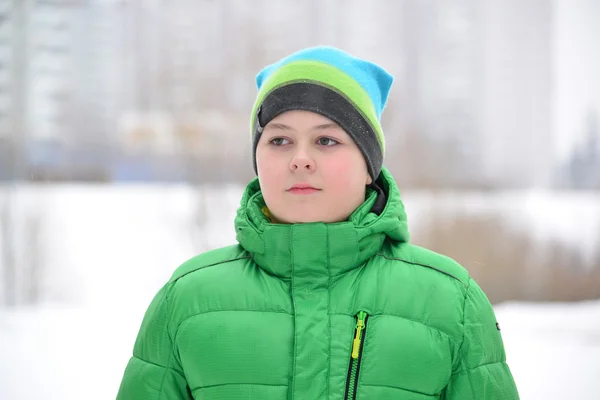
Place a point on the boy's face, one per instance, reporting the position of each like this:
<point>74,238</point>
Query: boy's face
<point>309,169</point>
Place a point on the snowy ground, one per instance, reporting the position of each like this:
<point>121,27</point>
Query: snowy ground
<point>106,251</point>
<point>553,349</point>
<point>62,353</point>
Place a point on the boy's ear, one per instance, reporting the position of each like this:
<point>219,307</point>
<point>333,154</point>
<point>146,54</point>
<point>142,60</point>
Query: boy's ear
<point>369,180</point>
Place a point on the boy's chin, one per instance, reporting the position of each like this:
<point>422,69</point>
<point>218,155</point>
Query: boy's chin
<point>294,218</point>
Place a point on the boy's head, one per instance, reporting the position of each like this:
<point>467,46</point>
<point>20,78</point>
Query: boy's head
<point>316,122</point>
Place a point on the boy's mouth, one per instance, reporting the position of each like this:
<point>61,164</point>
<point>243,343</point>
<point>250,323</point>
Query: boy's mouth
<point>303,188</point>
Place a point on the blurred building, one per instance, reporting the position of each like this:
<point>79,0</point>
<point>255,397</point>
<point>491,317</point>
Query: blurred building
<point>70,64</point>
<point>45,91</point>
<point>6,101</point>
<point>103,71</point>
<point>517,98</point>
<point>5,73</point>
<point>442,85</point>
<point>492,91</point>
<point>49,51</point>
<point>504,86</point>
<point>582,169</point>
<point>577,86</point>
<point>480,74</point>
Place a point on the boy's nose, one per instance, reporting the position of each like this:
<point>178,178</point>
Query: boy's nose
<point>302,162</point>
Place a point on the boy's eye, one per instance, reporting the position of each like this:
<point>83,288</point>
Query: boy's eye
<point>279,141</point>
<point>325,141</point>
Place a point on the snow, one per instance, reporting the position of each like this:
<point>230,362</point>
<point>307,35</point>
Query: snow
<point>568,217</point>
<point>106,250</point>
<point>64,353</point>
<point>553,350</point>
<point>68,353</point>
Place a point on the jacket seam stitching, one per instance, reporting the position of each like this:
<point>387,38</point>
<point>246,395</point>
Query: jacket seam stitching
<point>403,389</point>
<point>172,344</point>
<point>239,384</point>
<point>328,317</point>
<point>293,383</point>
<point>162,383</point>
<point>231,310</point>
<point>407,319</point>
<point>478,366</point>
<point>422,265</point>
<point>211,265</point>
<point>464,318</point>
<point>160,366</point>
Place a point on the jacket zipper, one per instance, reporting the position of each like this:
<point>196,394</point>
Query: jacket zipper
<point>356,355</point>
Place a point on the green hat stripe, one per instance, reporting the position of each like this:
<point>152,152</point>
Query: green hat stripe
<point>325,75</point>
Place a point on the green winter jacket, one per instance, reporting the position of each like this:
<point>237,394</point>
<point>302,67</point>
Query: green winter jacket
<point>345,310</point>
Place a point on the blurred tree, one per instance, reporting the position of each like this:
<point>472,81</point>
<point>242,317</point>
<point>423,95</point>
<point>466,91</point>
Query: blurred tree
<point>510,264</point>
<point>20,246</point>
<point>582,169</point>
<point>8,262</point>
<point>420,160</point>
<point>20,222</point>
<point>480,245</point>
<point>15,16</point>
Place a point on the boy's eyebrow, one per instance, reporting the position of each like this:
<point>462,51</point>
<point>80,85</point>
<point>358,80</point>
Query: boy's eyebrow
<point>328,125</point>
<point>284,127</point>
<point>275,125</point>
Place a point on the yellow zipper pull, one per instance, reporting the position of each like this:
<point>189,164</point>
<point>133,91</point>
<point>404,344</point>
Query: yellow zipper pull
<point>360,325</point>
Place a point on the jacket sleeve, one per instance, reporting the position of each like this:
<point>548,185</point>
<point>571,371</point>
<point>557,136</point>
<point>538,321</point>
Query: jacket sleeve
<point>481,371</point>
<point>153,373</point>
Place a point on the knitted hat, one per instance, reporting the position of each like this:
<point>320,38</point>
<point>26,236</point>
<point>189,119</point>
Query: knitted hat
<point>349,91</point>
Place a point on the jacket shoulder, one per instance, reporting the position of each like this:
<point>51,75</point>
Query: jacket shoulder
<point>417,255</point>
<point>210,258</point>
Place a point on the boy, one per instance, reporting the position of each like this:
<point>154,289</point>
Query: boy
<point>323,297</point>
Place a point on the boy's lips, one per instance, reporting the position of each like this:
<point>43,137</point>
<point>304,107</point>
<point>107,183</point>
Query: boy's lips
<point>302,188</point>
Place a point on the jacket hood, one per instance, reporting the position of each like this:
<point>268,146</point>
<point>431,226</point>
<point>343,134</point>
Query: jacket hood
<point>283,249</point>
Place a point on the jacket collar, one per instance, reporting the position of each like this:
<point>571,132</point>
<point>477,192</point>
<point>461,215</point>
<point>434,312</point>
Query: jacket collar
<point>287,250</point>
